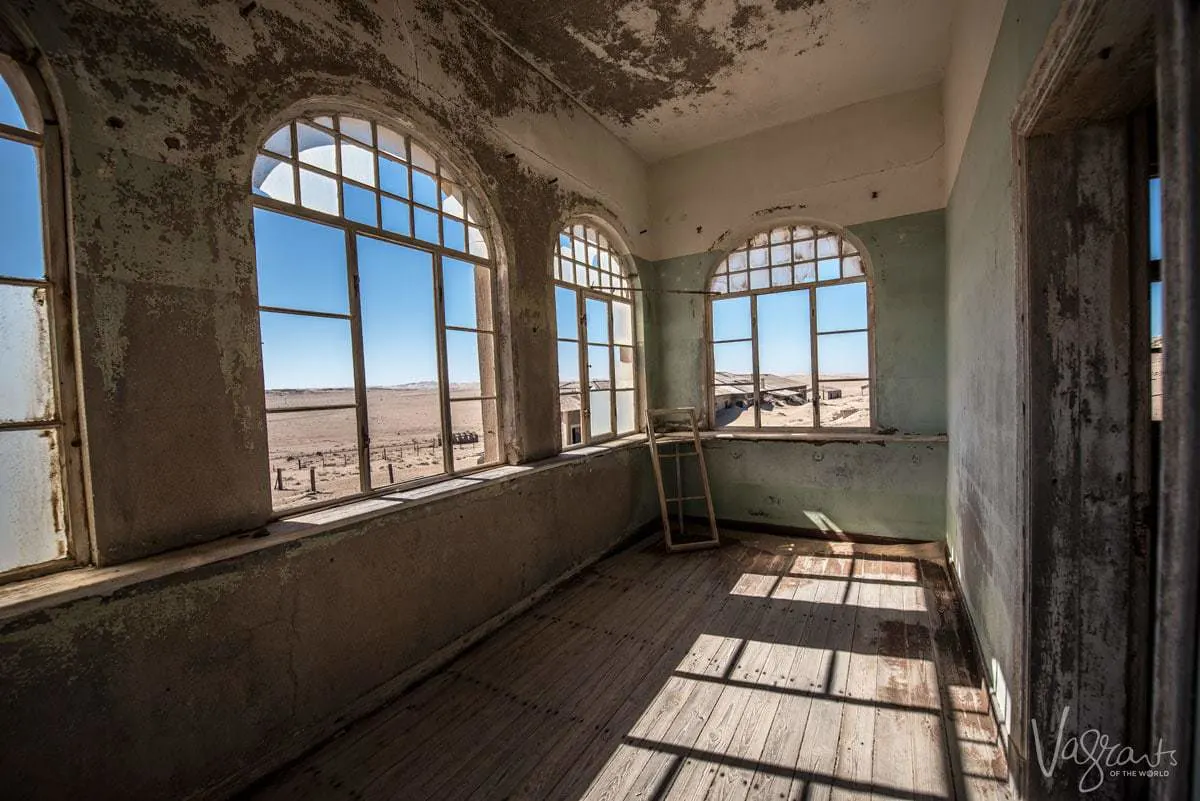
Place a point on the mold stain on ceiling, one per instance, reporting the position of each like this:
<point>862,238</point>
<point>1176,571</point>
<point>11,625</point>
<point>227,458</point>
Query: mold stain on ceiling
<point>669,76</point>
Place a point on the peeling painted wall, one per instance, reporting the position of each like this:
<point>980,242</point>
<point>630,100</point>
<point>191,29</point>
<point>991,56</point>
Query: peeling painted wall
<point>984,479</point>
<point>908,262</point>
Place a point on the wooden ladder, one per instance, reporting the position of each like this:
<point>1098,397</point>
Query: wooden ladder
<point>669,428</point>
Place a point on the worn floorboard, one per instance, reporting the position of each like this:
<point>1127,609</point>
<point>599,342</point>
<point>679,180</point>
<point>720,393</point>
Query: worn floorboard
<point>771,669</point>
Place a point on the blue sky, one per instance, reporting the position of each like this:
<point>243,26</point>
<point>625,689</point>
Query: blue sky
<point>1156,301</point>
<point>302,265</point>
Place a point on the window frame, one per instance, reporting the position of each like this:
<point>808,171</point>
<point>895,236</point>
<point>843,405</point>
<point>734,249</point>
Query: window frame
<point>353,230</point>
<point>36,104</point>
<point>745,243</point>
<point>583,293</point>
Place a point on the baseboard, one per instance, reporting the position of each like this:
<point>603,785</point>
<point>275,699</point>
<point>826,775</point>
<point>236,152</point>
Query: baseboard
<point>315,736</point>
<point>756,527</point>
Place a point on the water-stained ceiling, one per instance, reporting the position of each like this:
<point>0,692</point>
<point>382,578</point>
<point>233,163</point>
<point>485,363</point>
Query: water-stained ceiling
<point>669,76</point>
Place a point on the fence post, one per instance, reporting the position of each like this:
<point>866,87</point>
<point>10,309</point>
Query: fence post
<point>312,478</point>
<point>279,478</point>
<point>391,475</point>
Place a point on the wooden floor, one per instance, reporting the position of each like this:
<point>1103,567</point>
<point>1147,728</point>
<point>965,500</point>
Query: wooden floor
<point>771,668</point>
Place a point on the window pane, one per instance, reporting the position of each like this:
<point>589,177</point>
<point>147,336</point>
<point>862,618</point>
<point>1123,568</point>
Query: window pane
<point>26,380</point>
<point>358,163</point>
<point>274,179</point>
<point>427,225</point>
<point>10,110</point>
<point>852,266</point>
<point>731,319</point>
<point>359,129</point>
<point>598,366</point>
<point>622,323</point>
<point>31,503</point>
<point>470,363</point>
<point>468,291</point>
<point>784,349</point>
<point>827,246</point>
<point>626,412</point>
<point>393,177</point>
<point>306,357</point>
<point>425,189</point>
<point>596,312</point>
<point>572,428</point>
<point>360,205</point>
<point>568,365</point>
<point>829,269</point>
<point>783,403</point>
<point>1155,219</point>
<point>301,264</point>
<point>566,311</point>
<point>623,362</point>
<point>318,192</point>
<point>736,358</point>
<point>846,404</point>
<point>804,251</point>
<point>760,279</point>
<point>396,216</point>
<point>476,242</point>
<point>316,147</point>
<point>21,223</point>
<point>843,355</point>
<point>280,142</point>
<point>454,234</point>
<point>453,202</point>
<point>313,456</point>
<point>406,428</point>
<point>601,412</point>
<point>422,158</point>
<point>842,307</point>
<point>391,142</point>
<point>474,427</point>
<point>399,332</point>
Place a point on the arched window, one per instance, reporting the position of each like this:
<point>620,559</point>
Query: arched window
<point>37,529</point>
<point>790,317</point>
<point>376,290</point>
<point>597,369</point>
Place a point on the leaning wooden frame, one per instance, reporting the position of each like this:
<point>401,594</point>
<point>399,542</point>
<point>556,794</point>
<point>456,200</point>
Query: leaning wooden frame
<point>677,429</point>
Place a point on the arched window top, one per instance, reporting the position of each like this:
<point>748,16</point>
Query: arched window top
<point>786,256</point>
<point>18,105</point>
<point>586,258</point>
<point>369,174</point>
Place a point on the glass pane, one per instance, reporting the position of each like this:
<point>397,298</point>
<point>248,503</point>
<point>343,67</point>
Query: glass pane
<point>731,319</point>
<point>829,269</point>
<point>391,142</point>
<point>31,505</point>
<point>316,147</point>
<point>842,307</point>
<point>476,242</point>
<point>622,323</point>
<point>393,177</point>
<point>565,312</point>
<point>720,284</point>
<point>736,261</point>
<point>427,225</point>
<point>422,158</point>
<point>399,332</point>
<point>596,312</point>
<point>758,258</point>
<point>280,142</point>
<point>626,412</point>
<point>468,292</point>
<point>782,403</point>
<point>21,223</point>
<point>359,129</point>
<point>10,112</point>
<point>601,412</point>
<point>804,251</point>
<point>623,362</point>
<point>26,378</point>
<point>733,405</point>
<point>274,179</point>
<point>359,205</point>
<point>572,428</point>
<point>406,431</point>
<point>843,355</point>
<point>739,282</point>
<point>598,365</point>
<point>358,163</point>
<point>301,264</point>
<point>852,266</point>
<point>318,192</point>
<point>760,279</point>
<point>781,276</point>
<point>396,216</point>
<point>425,189</point>
<point>453,202</point>
<point>1156,350</point>
<point>806,273</point>
<point>454,234</point>
<point>307,361</point>
<point>733,362</point>
<point>568,366</point>
<point>474,431</point>
<point>313,456</point>
<point>781,254</point>
<point>784,349</point>
<point>827,246</point>
<point>470,363</point>
<point>846,404</point>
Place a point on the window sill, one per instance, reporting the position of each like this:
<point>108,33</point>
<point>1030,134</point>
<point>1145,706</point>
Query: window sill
<point>818,437</point>
<point>35,594</point>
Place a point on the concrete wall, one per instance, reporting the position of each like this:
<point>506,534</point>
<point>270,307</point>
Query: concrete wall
<point>167,685</point>
<point>984,479</point>
<point>973,31</point>
<point>864,483</point>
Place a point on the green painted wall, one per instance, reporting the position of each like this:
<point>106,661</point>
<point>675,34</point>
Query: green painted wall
<point>890,487</point>
<point>983,486</point>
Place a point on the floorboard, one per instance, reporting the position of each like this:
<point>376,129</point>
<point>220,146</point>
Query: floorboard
<point>771,669</point>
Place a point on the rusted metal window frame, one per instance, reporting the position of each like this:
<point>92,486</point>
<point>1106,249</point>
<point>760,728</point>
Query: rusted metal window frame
<point>619,289</point>
<point>720,271</point>
<point>443,173</point>
<point>32,96</point>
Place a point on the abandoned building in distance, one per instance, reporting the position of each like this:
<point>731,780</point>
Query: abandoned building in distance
<point>501,400</point>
